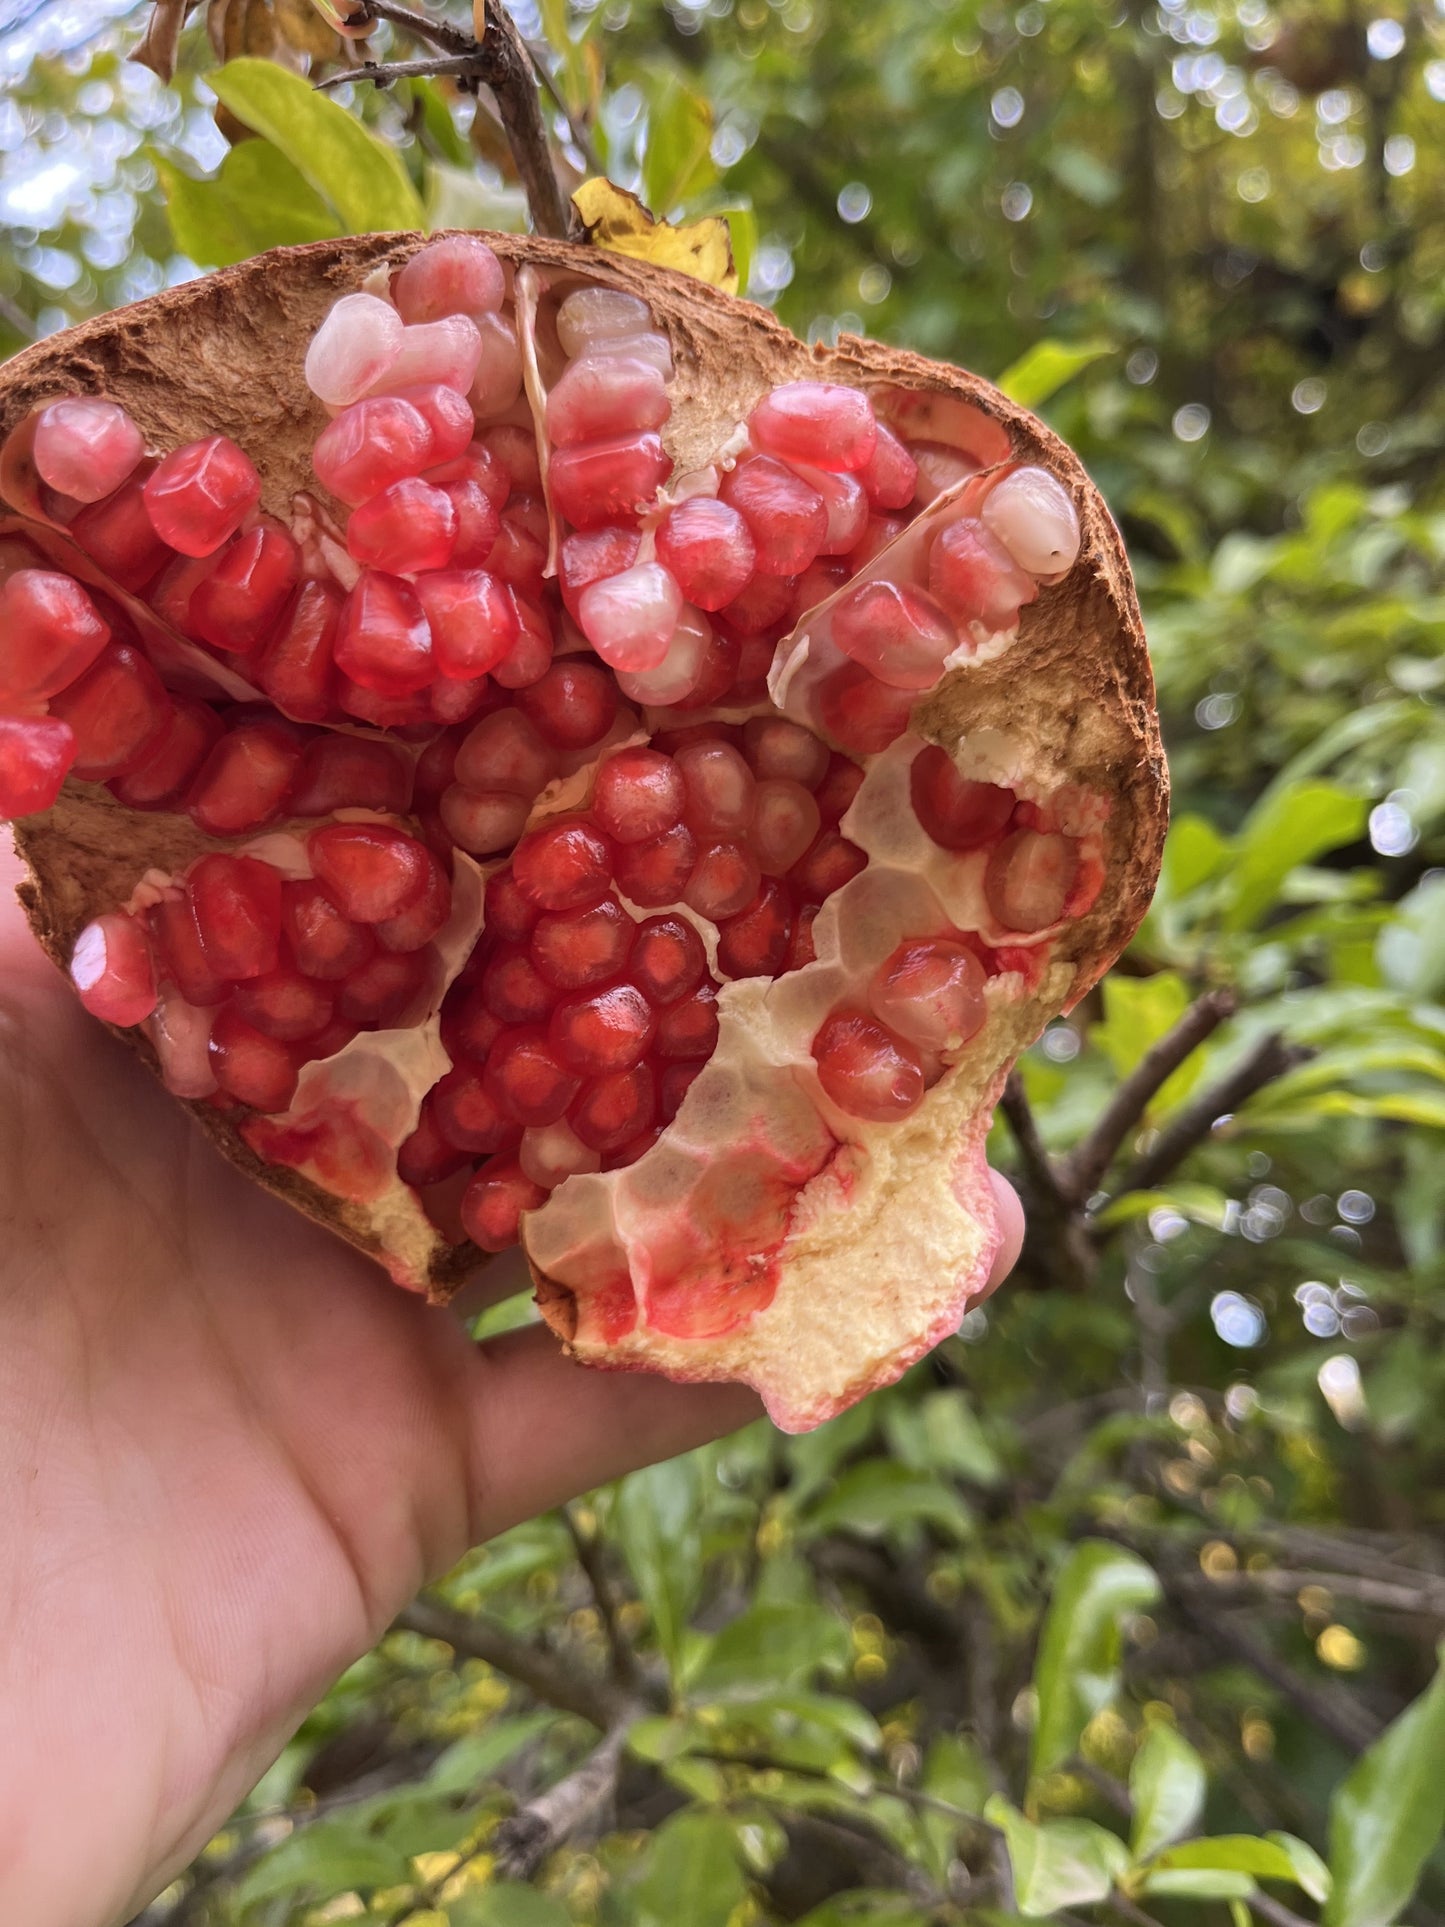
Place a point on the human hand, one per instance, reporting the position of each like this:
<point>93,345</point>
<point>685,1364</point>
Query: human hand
<point>231,1451</point>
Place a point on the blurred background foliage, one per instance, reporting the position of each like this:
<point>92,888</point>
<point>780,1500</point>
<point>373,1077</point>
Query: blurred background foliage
<point>1123,1607</point>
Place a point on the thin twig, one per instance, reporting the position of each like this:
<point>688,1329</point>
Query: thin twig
<point>1038,1165</point>
<point>1262,1064</point>
<point>1348,1723</point>
<point>1275,1911</point>
<point>581,139</point>
<point>588,1547</point>
<point>1387,1595</point>
<point>382,72</point>
<point>474,1636</point>
<point>1079,1173</point>
<point>524,1840</point>
<point>441,33</point>
<point>1122,1904</point>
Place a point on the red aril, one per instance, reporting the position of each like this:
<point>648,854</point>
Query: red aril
<point>841,783</point>
<point>638,794</point>
<point>423,917</point>
<point>514,450</point>
<point>602,396</point>
<point>504,752</point>
<point>478,523</point>
<point>861,713</point>
<point>590,557</point>
<point>765,603</point>
<point>236,904</point>
<point>383,641</point>
<point>481,466</point>
<point>85,448</point>
<point>974,577</point>
<point>602,1030</point>
<point>564,865</point>
<point>426,1157</point>
<point>468,1116</point>
<point>530,1085</point>
<point>817,422</point>
<point>601,482</point>
<point>238,604</point>
<point>353,348</point>
<point>1029,877</point>
<point>688,1029</point>
<point>117,534</point>
<point>513,988</point>
<point>573,704</point>
<point>456,274</point>
<point>866,1069</point>
<point>325,944</point>
<point>719,790</point>
<point>244,781</point>
<point>284,1004</point>
<point>297,668</point>
<point>755,941</point>
<point>785,822</point>
<point>179,953</point>
<point>369,446</point>
<point>956,811</point>
<point>778,748</point>
<point>405,528</point>
<point>50,633</point>
<point>575,948</point>
<point>709,549</point>
<point>170,766</point>
<point>656,872</point>
<point>899,634</point>
<point>667,961</point>
<point>724,878</point>
<point>786,518</point>
<point>826,867</point>
<point>372,872</point>
<point>385,990</point>
<point>614,1108</point>
<point>630,618</point>
<point>111,969</point>
<point>517,557</point>
<point>930,992</point>
<point>35,753</point>
<point>199,495</point>
<point>717,670</point>
<point>117,710</point>
<point>481,822</point>
<point>890,475</point>
<point>347,772</point>
<point>249,1066</point>
<point>493,1203</point>
<point>510,914</point>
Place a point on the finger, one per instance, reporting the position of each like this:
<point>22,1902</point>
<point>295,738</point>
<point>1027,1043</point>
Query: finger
<point>1011,1226</point>
<point>546,1429</point>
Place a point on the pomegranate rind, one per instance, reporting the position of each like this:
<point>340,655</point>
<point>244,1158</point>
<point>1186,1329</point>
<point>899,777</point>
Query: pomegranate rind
<point>862,1290</point>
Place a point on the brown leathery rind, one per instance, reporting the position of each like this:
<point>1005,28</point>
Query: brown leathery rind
<point>224,353</point>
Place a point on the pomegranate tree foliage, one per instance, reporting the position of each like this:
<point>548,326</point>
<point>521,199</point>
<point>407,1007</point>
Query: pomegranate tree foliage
<point>1122,1607</point>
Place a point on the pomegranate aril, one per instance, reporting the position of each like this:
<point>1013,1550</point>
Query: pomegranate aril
<point>615,1108</point>
<point>718,671</point>
<point>468,1028</point>
<point>407,527</point>
<point>383,641</point>
<point>786,518</point>
<point>631,618</point>
<point>839,786</point>
<point>504,752</point>
<point>573,704</point>
<point>117,534</point>
<point>493,1203</point>
<point>323,942</point>
<point>975,578</point>
<point>478,523</point>
<point>236,903</point>
<point>514,990</point>
<point>353,348</point>
<point>591,557</point>
<point>656,872</point>
<point>479,465</point>
<point>426,1157</point>
<point>346,772</point>
<point>638,794</point>
<point>860,712</point>
<point>435,766</point>
<point>930,991</point>
<point>285,1005</point>
<point>467,1114</point>
<point>498,380</point>
<point>604,1030</point>
<point>170,767</point>
<point>709,549</point>
<point>719,788</point>
<point>50,633</point>
<point>801,947</point>
<point>819,580</point>
<point>785,822</point>
<point>456,274</point>
<point>818,422</point>
<point>1029,877</point>
<point>413,712</point>
<point>482,822</point>
<point>369,446</point>
<point>370,871</point>
<point>593,316</point>
<point>326,1043</point>
<point>673,1086</point>
<point>530,657</point>
<point>900,634</point>
<point>84,448</point>
<point>939,467</point>
<point>249,1066</point>
<point>510,914</point>
<point>778,748</point>
<point>865,1069</point>
<point>297,668</point>
<point>111,969</point>
<point>518,559</point>
<point>890,475</point>
<point>1032,515</point>
<point>764,604</point>
<point>420,921</point>
<point>575,948</point>
<point>384,989</point>
<point>688,1028</point>
<point>956,812</point>
<point>199,495</point>
<point>564,865</point>
<point>237,605</point>
<point>550,1153</point>
<point>117,710</point>
<point>826,867</point>
<point>35,753</point>
<point>878,532</point>
<point>755,941</point>
<point>514,450</point>
<point>667,961</point>
<point>605,395</point>
<point>601,482</point>
<point>682,671</point>
<point>847,508</point>
<point>443,353</point>
<point>245,780</point>
<point>527,1080</point>
<point>724,880</point>
<point>181,1034</point>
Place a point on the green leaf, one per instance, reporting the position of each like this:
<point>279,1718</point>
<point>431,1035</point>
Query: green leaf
<point>1077,1672</point>
<point>1167,1784</point>
<point>859,1908</point>
<point>356,174</point>
<point>1062,1863</point>
<point>1289,826</point>
<point>941,1433</point>
<point>1230,1853</point>
<point>1200,1203</point>
<point>507,1903</point>
<point>656,1520</point>
<point>677,163</point>
<point>321,1861</point>
<point>1194,851</point>
<point>1387,1814</point>
<point>880,1494</point>
<point>691,1874</point>
<point>953,1770</point>
<point>256,201</point>
<point>1083,173</point>
<point>1203,1883</point>
<point>469,1762</point>
<point>768,1646</point>
<point>1042,370</point>
<point>1310,1872</point>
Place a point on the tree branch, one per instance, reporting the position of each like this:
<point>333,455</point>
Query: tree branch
<point>524,1840</point>
<point>382,72</point>
<point>1079,1173</point>
<point>1038,1165</point>
<point>1347,1723</point>
<point>588,1547</point>
<point>1275,1911</point>
<point>473,1636</point>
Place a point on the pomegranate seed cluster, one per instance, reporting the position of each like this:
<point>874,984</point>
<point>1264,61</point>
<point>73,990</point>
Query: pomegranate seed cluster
<point>505,640</point>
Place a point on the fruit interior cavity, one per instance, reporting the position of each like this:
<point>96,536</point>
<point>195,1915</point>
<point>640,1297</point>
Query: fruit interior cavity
<point>573,869</point>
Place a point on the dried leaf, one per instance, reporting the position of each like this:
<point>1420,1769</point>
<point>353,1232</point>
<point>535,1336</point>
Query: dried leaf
<point>157,49</point>
<point>617,220</point>
<point>303,28</point>
<point>216,11</point>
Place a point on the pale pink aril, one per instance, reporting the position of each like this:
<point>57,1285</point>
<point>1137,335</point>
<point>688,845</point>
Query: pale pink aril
<point>483,822</point>
<point>112,971</point>
<point>785,822</point>
<point>974,577</point>
<point>847,507</point>
<point>939,467</point>
<point>648,346</point>
<point>719,788</point>
<point>676,677</point>
<point>446,352</point>
<point>819,422</point>
<point>352,349</point>
<point>181,1034</point>
<point>931,992</point>
<point>455,274</point>
<point>603,396</point>
<point>497,382</point>
<point>899,634</point>
<point>85,448</point>
<point>1031,513</point>
<point>1029,877</point>
<point>630,618</point>
<point>777,747</point>
<point>407,528</point>
<point>590,316</point>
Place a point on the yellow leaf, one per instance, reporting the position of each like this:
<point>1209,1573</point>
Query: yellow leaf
<point>617,220</point>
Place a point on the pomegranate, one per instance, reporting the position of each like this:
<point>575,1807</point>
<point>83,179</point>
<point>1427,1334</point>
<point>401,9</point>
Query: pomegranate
<point>639,814</point>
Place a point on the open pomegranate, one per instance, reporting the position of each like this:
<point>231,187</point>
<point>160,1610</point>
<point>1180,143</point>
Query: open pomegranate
<point>530,751</point>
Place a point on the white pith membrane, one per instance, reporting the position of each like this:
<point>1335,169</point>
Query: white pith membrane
<point>709,1253</point>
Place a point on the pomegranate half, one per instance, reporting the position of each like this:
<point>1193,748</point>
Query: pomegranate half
<point>531,752</point>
